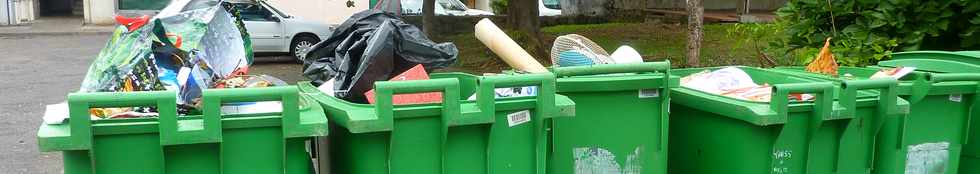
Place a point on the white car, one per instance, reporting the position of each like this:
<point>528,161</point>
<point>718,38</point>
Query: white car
<point>273,31</point>
<point>549,8</point>
<point>443,8</point>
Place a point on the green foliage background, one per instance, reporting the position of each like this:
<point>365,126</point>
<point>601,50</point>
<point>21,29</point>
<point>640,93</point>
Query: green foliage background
<point>866,31</point>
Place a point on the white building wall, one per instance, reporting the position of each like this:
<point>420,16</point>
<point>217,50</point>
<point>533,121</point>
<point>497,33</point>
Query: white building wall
<point>326,11</point>
<point>6,14</point>
<point>483,5</point>
<point>99,12</point>
<point>24,11</point>
<point>16,12</point>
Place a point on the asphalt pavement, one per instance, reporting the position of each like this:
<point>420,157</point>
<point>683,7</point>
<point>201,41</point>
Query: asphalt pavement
<point>36,71</point>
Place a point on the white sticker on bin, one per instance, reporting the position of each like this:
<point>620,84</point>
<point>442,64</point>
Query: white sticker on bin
<point>649,93</point>
<point>518,118</point>
<point>927,158</point>
<point>956,97</point>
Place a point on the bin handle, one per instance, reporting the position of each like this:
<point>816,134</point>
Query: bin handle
<point>948,77</point>
<point>780,104</point>
<point>922,85</point>
<point>79,104</point>
<point>886,105</point>
<point>385,90</point>
<point>287,95</point>
<point>546,106</point>
<point>544,81</point>
<point>887,100</point>
<point>612,68</point>
<point>823,104</point>
<point>449,87</point>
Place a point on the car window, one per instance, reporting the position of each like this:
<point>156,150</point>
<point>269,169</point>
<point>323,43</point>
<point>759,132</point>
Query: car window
<point>277,10</point>
<point>412,6</point>
<point>199,4</point>
<point>552,4</point>
<point>453,5</point>
<point>253,12</point>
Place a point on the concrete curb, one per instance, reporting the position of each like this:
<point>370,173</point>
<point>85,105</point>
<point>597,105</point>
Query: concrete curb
<point>69,30</point>
<point>68,33</point>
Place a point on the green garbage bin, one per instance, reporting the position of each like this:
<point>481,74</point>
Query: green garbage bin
<point>949,62</point>
<point>930,138</point>
<point>711,133</point>
<point>937,61</point>
<point>213,142</point>
<point>489,135</point>
<point>620,124</point>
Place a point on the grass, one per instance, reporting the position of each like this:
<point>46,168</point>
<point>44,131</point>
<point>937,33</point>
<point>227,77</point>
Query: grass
<point>655,42</point>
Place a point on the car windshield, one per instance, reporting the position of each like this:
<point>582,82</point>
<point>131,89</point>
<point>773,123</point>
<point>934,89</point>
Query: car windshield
<point>552,4</point>
<point>276,10</point>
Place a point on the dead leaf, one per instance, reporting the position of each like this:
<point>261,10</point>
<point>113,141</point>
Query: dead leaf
<point>825,62</point>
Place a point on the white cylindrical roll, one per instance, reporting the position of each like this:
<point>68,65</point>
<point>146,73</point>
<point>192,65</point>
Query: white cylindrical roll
<point>506,48</point>
<point>626,54</point>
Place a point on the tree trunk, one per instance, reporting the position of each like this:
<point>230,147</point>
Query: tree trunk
<point>742,7</point>
<point>428,16</point>
<point>523,16</point>
<point>695,19</point>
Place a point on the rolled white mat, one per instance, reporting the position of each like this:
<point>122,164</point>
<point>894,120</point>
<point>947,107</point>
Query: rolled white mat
<point>626,54</point>
<point>506,48</point>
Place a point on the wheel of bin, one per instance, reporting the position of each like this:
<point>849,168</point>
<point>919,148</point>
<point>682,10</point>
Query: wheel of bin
<point>301,45</point>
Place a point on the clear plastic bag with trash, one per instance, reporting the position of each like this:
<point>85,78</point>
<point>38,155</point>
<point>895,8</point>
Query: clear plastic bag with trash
<point>187,47</point>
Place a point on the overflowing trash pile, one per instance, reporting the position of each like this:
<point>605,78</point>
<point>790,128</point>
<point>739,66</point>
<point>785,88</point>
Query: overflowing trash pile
<point>567,50</point>
<point>735,83</point>
<point>896,73</point>
<point>372,46</point>
<point>577,50</point>
<point>191,45</point>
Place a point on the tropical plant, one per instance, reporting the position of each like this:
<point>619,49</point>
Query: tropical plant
<point>866,31</point>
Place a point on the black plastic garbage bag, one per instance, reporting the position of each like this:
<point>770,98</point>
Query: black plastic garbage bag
<point>372,46</point>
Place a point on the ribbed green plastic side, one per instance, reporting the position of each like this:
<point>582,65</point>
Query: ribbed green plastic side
<point>456,136</point>
<point>930,138</point>
<point>620,124</point>
<point>253,143</point>
<point>716,134</point>
<point>950,62</point>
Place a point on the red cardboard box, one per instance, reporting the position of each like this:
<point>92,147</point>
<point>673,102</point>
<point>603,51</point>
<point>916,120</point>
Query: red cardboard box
<point>416,73</point>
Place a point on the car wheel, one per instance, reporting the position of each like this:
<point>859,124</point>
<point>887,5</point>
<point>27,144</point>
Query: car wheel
<point>302,45</point>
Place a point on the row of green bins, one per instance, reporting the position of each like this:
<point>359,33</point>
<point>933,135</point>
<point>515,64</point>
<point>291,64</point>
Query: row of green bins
<point>489,135</point>
<point>620,123</point>
<point>711,133</point>
<point>949,62</point>
<point>212,142</point>
<point>929,139</point>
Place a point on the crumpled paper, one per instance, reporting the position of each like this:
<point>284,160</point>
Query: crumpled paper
<point>735,83</point>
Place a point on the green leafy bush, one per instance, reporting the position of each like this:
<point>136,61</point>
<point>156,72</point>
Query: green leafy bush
<point>866,31</point>
<point>499,6</point>
<point>759,37</point>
